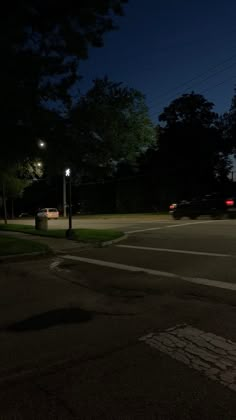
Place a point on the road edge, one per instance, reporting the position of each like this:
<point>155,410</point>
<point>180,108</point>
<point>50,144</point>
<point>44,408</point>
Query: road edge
<point>114,241</point>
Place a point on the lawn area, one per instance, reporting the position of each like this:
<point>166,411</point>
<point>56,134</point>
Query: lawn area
<point>84,235</point>
<point>14,246</point>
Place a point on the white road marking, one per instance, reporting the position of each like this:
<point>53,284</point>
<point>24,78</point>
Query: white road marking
<point>55,265</point>
<point>143,230</point>
<point>196,280</point>
<point>180,251</point>
<point>194,223</point>
<point>172,226</point>
<point>206,352</point>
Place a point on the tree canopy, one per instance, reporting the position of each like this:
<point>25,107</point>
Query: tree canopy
<point>229,124</point>
<point>42,43</point>
<point>107,124</point>
<point>191,156</point>
<point>189,109</point>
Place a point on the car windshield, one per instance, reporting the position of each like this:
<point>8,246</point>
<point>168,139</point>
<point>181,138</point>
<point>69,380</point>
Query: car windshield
<point>52,210</point>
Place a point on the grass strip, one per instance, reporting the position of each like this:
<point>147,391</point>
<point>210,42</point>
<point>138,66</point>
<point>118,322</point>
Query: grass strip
<point>14,246</point>
<point>83,235</point>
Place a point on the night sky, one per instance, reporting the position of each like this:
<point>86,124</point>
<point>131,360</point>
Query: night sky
<point>167,48</point>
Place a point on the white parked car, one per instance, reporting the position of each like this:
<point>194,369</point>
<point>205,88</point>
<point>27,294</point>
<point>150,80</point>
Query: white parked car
<point>50,213</point>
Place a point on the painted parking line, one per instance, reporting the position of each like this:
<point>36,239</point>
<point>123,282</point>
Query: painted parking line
<point>118,266</point>
<point>172,226</point>
<point>55,265</point>
<point>143,230</point>
<point>210,354</point>
<point>178,251</point>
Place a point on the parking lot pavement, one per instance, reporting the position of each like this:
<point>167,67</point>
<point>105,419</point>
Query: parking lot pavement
<point>198,250</point>
<point>201,235</point>
<point>95,345</point>
<point>123,223</point>
<point>118,332</point>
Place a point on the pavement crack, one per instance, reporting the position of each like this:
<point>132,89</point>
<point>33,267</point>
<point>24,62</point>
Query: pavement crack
<point>52,395</point>
<point>21,375</point>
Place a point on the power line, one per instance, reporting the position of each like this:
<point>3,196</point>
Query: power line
<point>199,76</point>
<point>155,113</point>
<point>205,90</point>
<point>219,84</point>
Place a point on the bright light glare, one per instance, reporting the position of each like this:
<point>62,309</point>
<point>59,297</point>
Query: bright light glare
<point>67,172</point>
<point>39,164</point>
<point>229,202</point>
<point>41,144</point>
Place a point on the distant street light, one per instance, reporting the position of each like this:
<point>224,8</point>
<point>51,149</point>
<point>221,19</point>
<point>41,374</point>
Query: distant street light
<point>39,164</point>
<point>41,144</point>
<point>69,231</point>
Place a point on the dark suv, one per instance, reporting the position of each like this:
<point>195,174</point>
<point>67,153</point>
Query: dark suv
<point>214,205</point>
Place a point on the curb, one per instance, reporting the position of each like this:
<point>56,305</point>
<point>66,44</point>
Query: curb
<point>114,241</point>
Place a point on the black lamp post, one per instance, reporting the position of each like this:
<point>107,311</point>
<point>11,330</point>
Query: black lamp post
<point>69,231</point>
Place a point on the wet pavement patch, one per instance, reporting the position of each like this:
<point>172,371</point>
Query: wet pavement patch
<point>50,319</point>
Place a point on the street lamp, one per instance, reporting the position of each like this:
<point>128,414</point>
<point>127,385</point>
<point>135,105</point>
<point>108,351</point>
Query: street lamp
<point>41,144</point>
<point>69,231</point>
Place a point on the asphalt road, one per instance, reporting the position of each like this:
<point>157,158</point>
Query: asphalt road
<point>144,329</point>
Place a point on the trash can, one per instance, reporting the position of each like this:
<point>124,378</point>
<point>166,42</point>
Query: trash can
<point>41,223</point>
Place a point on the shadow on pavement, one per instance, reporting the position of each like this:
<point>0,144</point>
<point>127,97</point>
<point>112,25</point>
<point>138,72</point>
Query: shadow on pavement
<point>51,319</point>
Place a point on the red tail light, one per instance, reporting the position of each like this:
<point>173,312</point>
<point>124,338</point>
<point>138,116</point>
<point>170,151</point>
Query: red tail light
<point>229,202</point>
<point>172,206</point>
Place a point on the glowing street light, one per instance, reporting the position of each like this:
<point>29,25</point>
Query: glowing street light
<point>39,164</point>
<point>67,172</point>
<point>41,144</point>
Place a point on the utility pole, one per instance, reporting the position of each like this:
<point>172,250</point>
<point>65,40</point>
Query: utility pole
<point>70,205</point>
<point>69,233</point>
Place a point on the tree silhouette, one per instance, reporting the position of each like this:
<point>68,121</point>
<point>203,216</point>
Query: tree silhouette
<point>42,43</point>
<point>108,124</point>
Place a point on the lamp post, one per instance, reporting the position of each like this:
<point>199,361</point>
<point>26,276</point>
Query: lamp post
<point>69,231</point>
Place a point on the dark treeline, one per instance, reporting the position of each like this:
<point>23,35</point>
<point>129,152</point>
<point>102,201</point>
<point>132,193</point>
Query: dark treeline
<point>187,154</point>
<point>191,156</point>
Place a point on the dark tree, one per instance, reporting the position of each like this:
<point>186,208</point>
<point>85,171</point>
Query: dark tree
<point>191,147</point>
<point>229,123</point>
<point>110,123</point>
<point>42,42</point>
